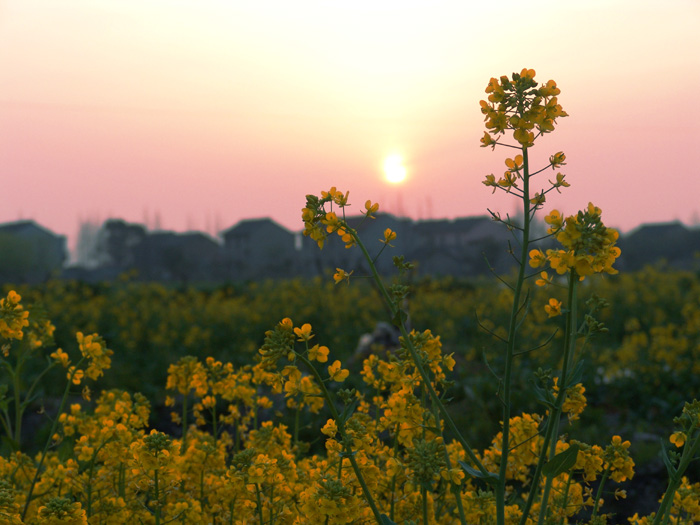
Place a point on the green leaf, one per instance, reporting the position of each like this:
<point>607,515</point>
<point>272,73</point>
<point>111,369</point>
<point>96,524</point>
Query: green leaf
<point>348,411</point>
<point>385,520</point>
<point>561,462</point>
<point>489,477</point>
<point>667,461</point>
<point>576,375</point>
<point>399,318</point>
<point>543,395</point>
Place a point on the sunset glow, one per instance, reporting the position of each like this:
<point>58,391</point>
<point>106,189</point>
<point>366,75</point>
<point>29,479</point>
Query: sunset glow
<point>394,170</point>
<point>205,113</point>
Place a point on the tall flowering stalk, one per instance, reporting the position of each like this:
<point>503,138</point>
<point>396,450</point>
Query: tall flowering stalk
<point>319,223</point>
<point>518,107</point>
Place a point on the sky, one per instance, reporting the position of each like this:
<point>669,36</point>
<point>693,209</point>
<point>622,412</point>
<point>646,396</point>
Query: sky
<point>195,114</point>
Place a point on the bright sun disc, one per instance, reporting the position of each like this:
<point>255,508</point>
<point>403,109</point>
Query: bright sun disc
<point>394,170</point>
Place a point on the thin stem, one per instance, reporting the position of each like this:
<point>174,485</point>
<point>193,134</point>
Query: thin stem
<point>157,494</point>
<point>341,428</point>
<point>510,350</point>
<point>184,421</point>
<point>17,386</point>
<point>48,440</point>
<point>395,311</point>
<point>259,501</point>
<point>599,493</point>
<point>456,489</point>
<point>569,349</point>
<point>566,499</point>
<point>689,452</point>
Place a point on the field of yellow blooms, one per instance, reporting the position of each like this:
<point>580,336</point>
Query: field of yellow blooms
<point>533,398</point>
<point>242,460</point>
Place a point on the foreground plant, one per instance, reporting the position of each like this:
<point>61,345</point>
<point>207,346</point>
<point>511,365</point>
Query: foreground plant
<point>520,109</point>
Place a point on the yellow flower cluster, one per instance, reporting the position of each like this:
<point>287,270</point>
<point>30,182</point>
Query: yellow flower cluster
<point>574,402</point>
<point>617,460</point>
<point>13,316</point>
<point>588,248</point>
<point>94,349</point>
<point>319,222</point>
<point>518,104</point>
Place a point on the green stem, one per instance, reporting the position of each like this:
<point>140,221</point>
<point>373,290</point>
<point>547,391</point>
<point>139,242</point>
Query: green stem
<point>6,423</point>
<point>395,310</point>
<point>510,347</point>
<point>17,386</point>
<point>122,481</point>
<point>184,422</point>
<point>456,489</point>
<point>214,424</point>
<point>156,491</point>
<point>599,492</point>
<point>260,509</point>
<point>296,425</point>
<point>393,478</point>
<point>566,499</point>
<point>569,349</point>
<point>48,440</point>
<point>675,479</point>
<point>341,429</point>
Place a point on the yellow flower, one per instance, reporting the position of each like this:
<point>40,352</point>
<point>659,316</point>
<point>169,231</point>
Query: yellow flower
<point>330,194</point>
<point>454,475</point>
<point>304,333</point>
<point>560,182</point>
<point>389,236</point>
<point>337,373</point>
<point>336,196</point>
<point>318,353</point>
<point>544,279</point>
<point>538,200</point>
<point>486,140</point>
<point>490,181</point>
<point>553,309</point>
<point>93,347</point>
<point>537,258</point>
<point>341,275</point>
<point>331,221</point>
<point>347,238</point>
<point>330,428</point>
<point>370,209</point>
<point>529,73</point>
<point>524,137</point>
<point>618,460</point>
<point>557,160</point>
<point>515,164</point>
<point>61,357</point>
<point>75,375</point>
<point>678,439</point>
<point>508,181</point>
<point>555,221</point>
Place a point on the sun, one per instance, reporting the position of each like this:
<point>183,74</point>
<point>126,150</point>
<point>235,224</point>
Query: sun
<point>394,170</point>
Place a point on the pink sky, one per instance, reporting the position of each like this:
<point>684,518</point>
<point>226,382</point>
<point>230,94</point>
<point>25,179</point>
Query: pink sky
<point>207,112</point>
